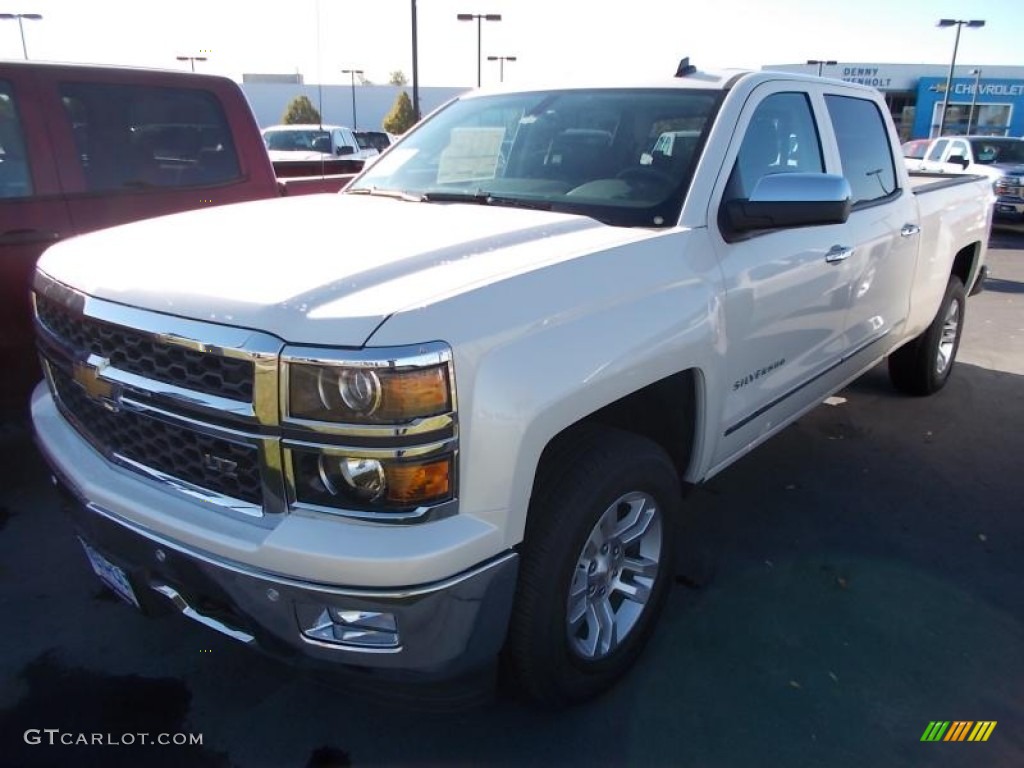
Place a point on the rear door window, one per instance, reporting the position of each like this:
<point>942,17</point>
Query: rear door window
<point>15,175</point>
<point>864,147</point>
<point>139,137</point>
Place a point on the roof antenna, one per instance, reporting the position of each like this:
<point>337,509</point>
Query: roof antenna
<point>685,67</point>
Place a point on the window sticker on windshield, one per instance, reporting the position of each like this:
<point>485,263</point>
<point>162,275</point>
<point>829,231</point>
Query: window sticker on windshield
<point>472,155</point>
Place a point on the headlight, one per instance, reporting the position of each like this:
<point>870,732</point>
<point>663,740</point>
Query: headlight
<point>381,485</point>
<point>367,395</point>
<point>371,433</point>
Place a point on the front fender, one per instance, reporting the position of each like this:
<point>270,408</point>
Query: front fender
<point>539,351</point>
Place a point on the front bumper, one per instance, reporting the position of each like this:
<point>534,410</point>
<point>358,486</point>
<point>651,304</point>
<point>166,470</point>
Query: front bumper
<point>1011,208</point>
<point>445,629</point>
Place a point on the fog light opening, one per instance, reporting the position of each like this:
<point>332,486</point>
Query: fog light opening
<point>361,629</point>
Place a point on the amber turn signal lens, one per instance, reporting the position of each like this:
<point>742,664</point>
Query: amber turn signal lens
<point>418,483</point>
<point>414,393</point>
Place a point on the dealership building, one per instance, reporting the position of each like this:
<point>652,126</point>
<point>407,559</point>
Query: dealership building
<point>983,99</point>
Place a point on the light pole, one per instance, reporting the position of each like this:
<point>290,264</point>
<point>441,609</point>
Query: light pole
<point>21,27</point>
<point>958,23</point>
<point>501,64</point>
<point>415,67</point>
<point>480,19</point>
<point>191,59</point>
<point>974,98</point>
<point>352,74</point>
<point>821,63</point>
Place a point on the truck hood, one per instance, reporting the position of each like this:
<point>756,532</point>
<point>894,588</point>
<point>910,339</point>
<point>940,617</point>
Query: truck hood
<point>319,269</point>
<point>1008,169</point>
<point>996,171</point>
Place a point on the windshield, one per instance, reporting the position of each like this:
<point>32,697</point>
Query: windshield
<point>299,140</point>
<point>988,151</point>
<point>622,156</point>
<point>372,140</point>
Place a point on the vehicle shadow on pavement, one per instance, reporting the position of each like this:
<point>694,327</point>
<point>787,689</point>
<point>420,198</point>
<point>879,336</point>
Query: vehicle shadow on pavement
<point>851,581</point>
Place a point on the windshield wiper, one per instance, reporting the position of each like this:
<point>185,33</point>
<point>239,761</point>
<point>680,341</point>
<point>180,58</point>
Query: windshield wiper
<point>397,194</point>
<point>480,197</point>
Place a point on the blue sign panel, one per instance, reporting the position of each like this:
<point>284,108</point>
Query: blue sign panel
<point>996,109</point>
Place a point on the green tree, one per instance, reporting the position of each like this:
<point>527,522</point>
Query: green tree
<point>401,117</point>
<point>398,78</point>
<point>300,110</point>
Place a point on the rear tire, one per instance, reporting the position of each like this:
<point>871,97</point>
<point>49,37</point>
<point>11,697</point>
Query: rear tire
<point>596,564</point>
<point>922,367</point>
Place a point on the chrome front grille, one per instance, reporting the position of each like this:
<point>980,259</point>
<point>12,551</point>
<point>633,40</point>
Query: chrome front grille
<point>188,404</point>
<point>198,407</point>
<point>130,351</point>
<point>222,466</point>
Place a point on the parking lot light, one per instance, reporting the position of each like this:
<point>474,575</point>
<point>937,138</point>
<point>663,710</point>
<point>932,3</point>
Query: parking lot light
<point>501,65</point>
<point>479,18</point>
<point>21,27</point>
<point>191,59</point>
<point>974,98</point>
<point>958,23</point>
<point>821,63</point>
<point>352,76</point>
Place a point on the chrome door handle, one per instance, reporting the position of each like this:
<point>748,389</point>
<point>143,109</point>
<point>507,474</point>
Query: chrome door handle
<point>838,253</point>
<point>909,230</point>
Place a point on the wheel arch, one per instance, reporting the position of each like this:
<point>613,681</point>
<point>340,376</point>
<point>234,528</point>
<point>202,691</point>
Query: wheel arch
<point>966,264</point>
<point>667,412</point>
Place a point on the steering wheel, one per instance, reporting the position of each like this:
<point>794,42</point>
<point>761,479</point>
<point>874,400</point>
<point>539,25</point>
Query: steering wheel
<point>646,174</point>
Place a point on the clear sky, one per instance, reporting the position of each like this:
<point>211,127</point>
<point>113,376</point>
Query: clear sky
<point>551,38</point>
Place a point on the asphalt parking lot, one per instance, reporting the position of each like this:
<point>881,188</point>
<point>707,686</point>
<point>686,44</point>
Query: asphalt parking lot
<point>853,580</point>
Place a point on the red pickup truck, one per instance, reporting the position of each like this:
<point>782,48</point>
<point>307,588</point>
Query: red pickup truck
<point>83,148</point>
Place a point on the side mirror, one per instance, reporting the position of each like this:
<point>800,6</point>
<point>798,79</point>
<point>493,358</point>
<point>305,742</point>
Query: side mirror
<point>960,160</point>
<point>785,200</point>
<point>345,149</point>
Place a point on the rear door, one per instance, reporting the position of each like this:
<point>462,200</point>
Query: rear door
<point>33,215</point>
<point>885,220</point>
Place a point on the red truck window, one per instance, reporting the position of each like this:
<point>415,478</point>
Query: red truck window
<point>139,137</point>
<point>15,179</point>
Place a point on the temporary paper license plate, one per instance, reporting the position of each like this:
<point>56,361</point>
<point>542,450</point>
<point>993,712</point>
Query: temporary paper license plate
<point>111,575</point>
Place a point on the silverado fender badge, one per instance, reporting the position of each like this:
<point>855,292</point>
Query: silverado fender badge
<point>87,375</point>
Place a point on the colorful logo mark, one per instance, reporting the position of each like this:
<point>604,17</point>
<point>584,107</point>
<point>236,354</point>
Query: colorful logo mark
<point>958,730</point>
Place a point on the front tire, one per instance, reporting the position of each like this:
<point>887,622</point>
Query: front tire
<point>596,564</point>
<point>922,367</point>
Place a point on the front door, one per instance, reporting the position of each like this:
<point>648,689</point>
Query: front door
<point>785,302</point>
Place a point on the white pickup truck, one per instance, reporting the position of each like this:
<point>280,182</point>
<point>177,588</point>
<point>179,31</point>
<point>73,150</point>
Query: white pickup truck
<point>463,433</point>
<point>1000,159</point>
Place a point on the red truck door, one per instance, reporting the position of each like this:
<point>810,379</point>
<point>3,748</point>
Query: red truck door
<point>33,215</point>
<point>131,145</point>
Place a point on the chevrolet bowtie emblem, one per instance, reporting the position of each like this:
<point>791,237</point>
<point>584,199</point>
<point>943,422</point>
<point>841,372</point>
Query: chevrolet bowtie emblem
<point>87,376</point>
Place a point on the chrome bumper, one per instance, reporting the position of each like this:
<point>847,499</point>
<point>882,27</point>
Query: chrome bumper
<point>443,630</point>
